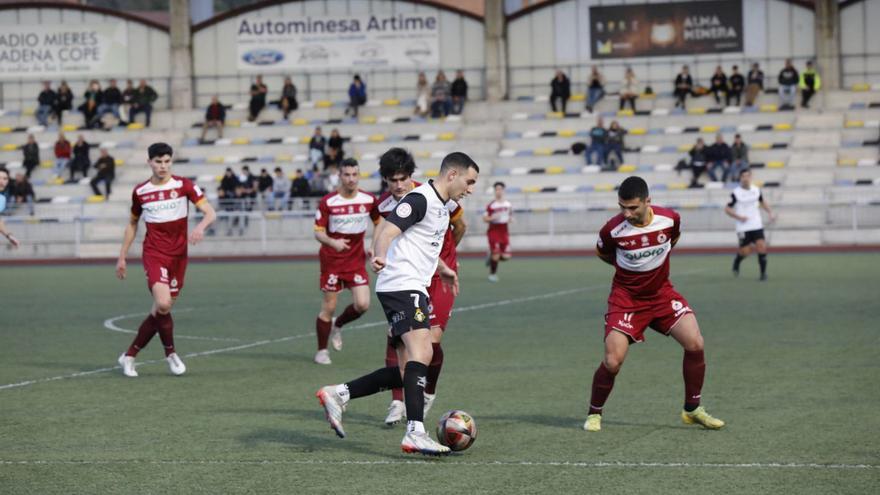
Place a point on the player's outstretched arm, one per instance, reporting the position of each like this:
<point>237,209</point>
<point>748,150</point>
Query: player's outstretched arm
<point>385,233</point>
<point>198,233</point>
<point>127,240</point>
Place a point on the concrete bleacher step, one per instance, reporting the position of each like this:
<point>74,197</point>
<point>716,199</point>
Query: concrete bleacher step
<point>825,139</point>
<point>818,121</point>
<point>812,159</point>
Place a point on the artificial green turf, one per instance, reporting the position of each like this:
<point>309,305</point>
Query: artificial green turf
<point>792,368</point>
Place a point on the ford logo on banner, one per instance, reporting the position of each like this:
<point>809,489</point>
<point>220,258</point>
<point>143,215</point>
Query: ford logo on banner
<point>263,57</point>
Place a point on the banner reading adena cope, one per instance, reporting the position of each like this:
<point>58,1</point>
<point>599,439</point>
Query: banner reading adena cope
<point>63,50</point>
<point>660,29</point>
<point>311,42</point>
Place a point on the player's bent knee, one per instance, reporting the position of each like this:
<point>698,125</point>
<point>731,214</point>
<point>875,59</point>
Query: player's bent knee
<point>361,307</point>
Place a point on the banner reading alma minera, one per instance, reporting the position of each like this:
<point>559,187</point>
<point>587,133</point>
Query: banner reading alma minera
<point>344,41</point>
<point>63,50</point>
<point>660,29</point>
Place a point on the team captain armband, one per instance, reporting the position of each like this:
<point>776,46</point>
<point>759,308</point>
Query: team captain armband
<point>410,211</point>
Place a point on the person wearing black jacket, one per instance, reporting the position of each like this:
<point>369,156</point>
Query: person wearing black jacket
<point>215,116</point>
<point>106,167</point>
<point>93,97</point>
<point>335,142</point>
<point>31,151</point>
<point>258,98</point>
<point>300,189</point>
<point>698,155</point>
<point>718,84</point>
<point>144,97</point>
<point>459,93</point>
<point>788,81</point>
<point>64,100</point>
<point>755,84</point>
<point>719,156</point>
<point>110,102</point>
<point>288,101</point>
<point>736,84</point>
<point>228,197</point>
<point>560,88</point>
<point>23,192</point>
<point>81,159</point>
<point>684,84</point>
<point>47,100</point>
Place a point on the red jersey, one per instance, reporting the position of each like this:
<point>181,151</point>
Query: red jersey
<point>345,218</point>
<point>641,254</point>
<point>499,212</point>
<point>165,208</point>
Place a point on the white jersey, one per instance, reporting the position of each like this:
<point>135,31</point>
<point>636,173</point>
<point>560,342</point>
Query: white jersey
<point>745,203</point>
<point>412,258</point>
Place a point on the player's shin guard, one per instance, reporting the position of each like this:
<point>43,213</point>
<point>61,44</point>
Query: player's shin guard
<point>414,378</point>
<point>391,362</point>
<point>693,369</point>
<point>165,326</point>
<point>603,382</point>
<point>323,330</point>
<point>377,381</point>
<point>349,315</point>
<point>145,333</point>
<point>434,369</point>
<point>762,262</point>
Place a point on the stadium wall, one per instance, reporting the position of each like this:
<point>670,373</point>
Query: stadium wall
<point>860,42</point>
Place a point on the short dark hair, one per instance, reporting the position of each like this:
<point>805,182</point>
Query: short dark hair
<point>633,188</point>
<point>499,183</point>
<point>396,161</point>
<point>349,162</point>
<point>159,149</point>
<point>3,169</point>
<point>747,169</point>
<point>278,169</point>
<point>459,161</point>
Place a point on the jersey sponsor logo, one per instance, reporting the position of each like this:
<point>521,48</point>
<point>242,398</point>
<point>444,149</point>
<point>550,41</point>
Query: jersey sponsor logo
<point>403,210</point>
<point>639,255</point>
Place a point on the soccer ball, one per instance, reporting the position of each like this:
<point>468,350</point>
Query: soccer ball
<point>456,430</point>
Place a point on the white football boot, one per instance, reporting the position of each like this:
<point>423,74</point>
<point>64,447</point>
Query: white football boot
<point>127,363</point>
<point>175,364</point>
<point>396,412</point>
<point>335,335</point>
<point>323,357</point>
<point>429,401</point>
<point>493,278</point>
<point>420,443</point>
<point>334,406</point>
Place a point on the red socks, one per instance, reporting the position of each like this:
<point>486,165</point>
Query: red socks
<point>350,314</point>
<point>165,326</point>
<point>323,330</point>
<point>603,382</point>
<point>144,334</point>
<point>434,369</point>
<point>693,368</point>
<point>391,361</point>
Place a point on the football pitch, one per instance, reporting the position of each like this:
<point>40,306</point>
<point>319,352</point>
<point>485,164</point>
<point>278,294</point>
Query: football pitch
<point>792,367</point>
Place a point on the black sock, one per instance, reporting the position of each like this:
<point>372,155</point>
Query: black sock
<point>737,261</point>
<point>415,377</point>
<point>762,261</point>
<point>377,381</point>
<point>691,407</point>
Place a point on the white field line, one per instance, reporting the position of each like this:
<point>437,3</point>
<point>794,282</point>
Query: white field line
<point>110,324</point>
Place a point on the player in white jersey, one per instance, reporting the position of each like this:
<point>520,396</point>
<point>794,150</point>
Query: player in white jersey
<point>407,250</point>
<point>499,214</point>
<point>744,205</point>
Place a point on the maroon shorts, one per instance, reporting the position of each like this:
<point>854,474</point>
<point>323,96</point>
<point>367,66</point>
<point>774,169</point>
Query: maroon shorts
<point>332,281</point>
<point>442,299</point>
<point>661,313</point>
<point>499,242</point>
<point>168,270</point>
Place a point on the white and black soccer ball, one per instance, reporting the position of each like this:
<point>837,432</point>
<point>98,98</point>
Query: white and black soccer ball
<point>457,430</point>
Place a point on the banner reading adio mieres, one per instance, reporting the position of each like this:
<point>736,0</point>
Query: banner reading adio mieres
<point>63,50</point>
<point>338,42</point>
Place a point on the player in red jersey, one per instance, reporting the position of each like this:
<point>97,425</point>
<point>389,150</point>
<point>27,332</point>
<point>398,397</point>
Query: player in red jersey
<point>163,201</point>
<point>396,166</point>
<point>498,214</point>
<point>637,242</point>
<point>340,225</point>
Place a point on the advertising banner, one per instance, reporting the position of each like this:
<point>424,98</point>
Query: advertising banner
<point>338,42</point>
<point>63,51</point>
<point>662,29</point>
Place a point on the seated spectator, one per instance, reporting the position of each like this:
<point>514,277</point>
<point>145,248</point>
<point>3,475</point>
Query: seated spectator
<point>598,138</point>
<point>595,88</point>
<point>629,90</point>
<point>111,100</point>
<point>788,81</point>
<point>215,117</point>
<point>280,191</point>
<point>47,101</point>
<point>300,189</point>
<point>357,96</point>
<point>698,162</point>
<point>105,165</point>
<point>560,89</point>
<point>755,86</point>
<point>5,197</point>
<point>423,96</point>
<point>684,84</point>
<point>336,142</point>
<point>144,97</point>
<point>62,154</point>
<point>258,98</point>
<point>809,84</point>
<point>63,101</point>
<point>332,159</point>
<point>89,107</point>
<point>247,188</point>
<point>736,85</point>
<point>23,192</point>
<point>127,100</point>
<point>81,160</point>
<point>441,96</point>
<point>264,187</point>
<point>719,157</point>
<point>227,194</point>
<point>739,153</point>
<point>317,146</point>
<point>31,151</point>
<point>718,84</point>
<point>288,101</point>
<point>615,145</point>
<point>459,93</point>
<point>330,178</point>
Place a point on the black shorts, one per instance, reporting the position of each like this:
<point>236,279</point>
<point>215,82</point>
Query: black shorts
<point>750,237</point>
<point>405,310</point>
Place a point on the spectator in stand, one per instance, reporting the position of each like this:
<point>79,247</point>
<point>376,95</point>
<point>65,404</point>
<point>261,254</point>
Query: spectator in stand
<point>332,159</point>
<point>288,101</point>
<point>31,151</point>
<point>560,89</point>
<point>598,138</point>
<point>300,189</point>
<point>47,100</point>
<point>110,101</point>
<point>81,159</point>
<point>5,197</point>
<point>739,152</point>
<point>441,96</point>
<point>258,98</point>
<point>89,107</point>
<point>280,191</point>
<point>336,142</point>
<point>737,83</point>
<point>144,97</point>
<point>423,96</point>
<point>317,146</point>
<point>64,101</point>
<point>755,84</point>
<point>215,117</point>
<point>105,165</point>
<point>247,195</point>
<point>719,157</point>
<point>718,84</point>
<point>127,100</point>
<point>595,88</point>
<point>62,154</point>
<point>629,90</point>
<point>698,155</point>
<point>809,84</point>
<point>227,193</point>
<point>264,187</point>
<point>684,84</point>
<point>615,145</point>
<point>459,93</point>
<point>788,81</point>
<point>23,192</point>
<point>357,96</point>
